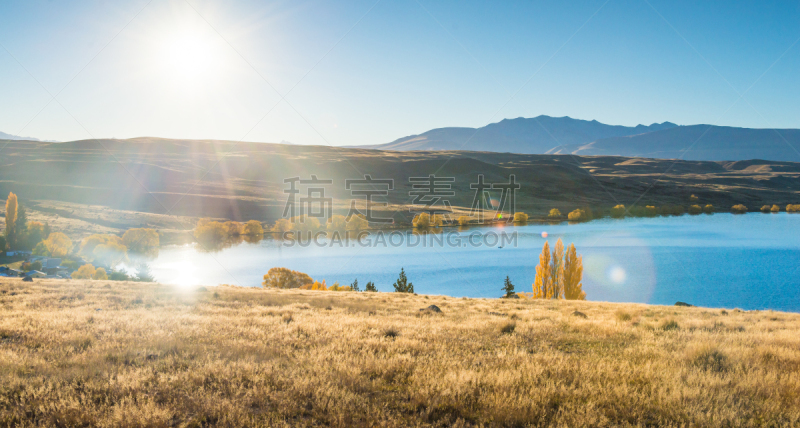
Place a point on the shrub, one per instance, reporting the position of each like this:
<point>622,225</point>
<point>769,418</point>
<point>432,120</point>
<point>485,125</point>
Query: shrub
<point>693,198</point>
<point>520,217</point>
<point>85,272</point>
<point>305,224</point>
<point>695,209</point>
<point>792,208</point>
<point>463,220</point>
<point>577,215</point>
<point>278,277</point>
<point>89,243</point>
<point>708,209</point>
<point>316,286</point>
<point>618,211</point>
<point>508,328</point>
<point>739,209</point>
<point>554,213</point>
<point>766,209</point>
<point>775,209</point>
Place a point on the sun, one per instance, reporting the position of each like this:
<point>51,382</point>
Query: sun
<point>189,57</point>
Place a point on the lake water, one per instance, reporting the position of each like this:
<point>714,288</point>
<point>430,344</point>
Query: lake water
<point>749,261</point>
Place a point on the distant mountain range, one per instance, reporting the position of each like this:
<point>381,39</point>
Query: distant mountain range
<point>562,135</point>
<point>4,136</point>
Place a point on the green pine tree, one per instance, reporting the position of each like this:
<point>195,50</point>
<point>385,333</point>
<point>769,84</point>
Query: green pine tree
<point>508,287</point>
<point>402,285</point>
<point>354,285</point>
<point>371,287</point>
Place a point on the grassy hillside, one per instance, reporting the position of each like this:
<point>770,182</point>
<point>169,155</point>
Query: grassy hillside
<point>103,185</point>
<point>76,353</point>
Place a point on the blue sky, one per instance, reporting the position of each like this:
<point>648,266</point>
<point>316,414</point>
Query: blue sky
<point>367,72</point>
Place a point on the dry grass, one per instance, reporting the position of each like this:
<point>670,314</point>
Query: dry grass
<point>100,353</point>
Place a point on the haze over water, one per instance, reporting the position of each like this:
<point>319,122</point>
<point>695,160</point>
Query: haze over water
<point>748,261</point>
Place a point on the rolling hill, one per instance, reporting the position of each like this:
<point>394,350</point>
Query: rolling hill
<point>239,180</point>
<point>564,135</point>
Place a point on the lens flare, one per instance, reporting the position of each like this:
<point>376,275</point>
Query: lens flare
<point>617,274</point>
<point>544,234</point>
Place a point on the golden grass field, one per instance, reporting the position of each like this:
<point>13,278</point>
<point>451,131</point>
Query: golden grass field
<point>97,353</point>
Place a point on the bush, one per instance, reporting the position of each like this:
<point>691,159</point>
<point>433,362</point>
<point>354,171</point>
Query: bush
<point>463,220</point>
<point>210,232</point>
<point>792,208</point>
<point>695,209</point>
<point>766,209</point>
<point>285,278</point>
<point>739,209</point>
<point>618,211</point>
<point>693,198</point>
<point>775,209</point>
<point>708,209</point>
<point>358,222</point>
<point>520,217</point>
<point>578,215</point>
<point>85,272</point>
<point>554,213</point>
<point>100,274</point>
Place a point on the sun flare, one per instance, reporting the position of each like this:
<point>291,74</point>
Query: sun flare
<point>189,58</point>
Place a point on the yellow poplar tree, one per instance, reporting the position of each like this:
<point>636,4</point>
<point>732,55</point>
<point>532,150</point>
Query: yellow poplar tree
<point>11,219</point>
<point>541,285</point>
<point>573,273</point>
<point>557,271</point>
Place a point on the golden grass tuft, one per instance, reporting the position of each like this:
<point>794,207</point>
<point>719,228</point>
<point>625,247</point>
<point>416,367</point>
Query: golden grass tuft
<point>98,353</point>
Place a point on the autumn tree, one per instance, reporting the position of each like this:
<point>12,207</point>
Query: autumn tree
<point>111,253</point>
<point>281,226</point>
<point>739,209</point>
<point>210,232</point>
<point>402,285</point>
<point>554,213</point>
<point>58,244</point>
<point>508,287</point>
<point>337,223</point>
<point>279,277</point>
<point>421,221</point>
<point>253,228</point>
<point>316,286</point>
<point>541,284</point>
<point>573,273</point>
<point>557,271</point>
<point>100,274</point>
<point>463,220</point>
<point>520,217</point>
<point>140,240</point>
<point>11,220</point>
<point>86,271</point>
<point>89,243</point>
<point>305,224</point>
<point>618,211</point>
<point>357,222</point>
<point>708,209</point>
<point>695,209</point>
<point>578,215</point>
<point>775,209</point>
<point>36,232</point>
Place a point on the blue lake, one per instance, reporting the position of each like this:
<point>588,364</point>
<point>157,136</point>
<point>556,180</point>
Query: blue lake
<point>749,261</point>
